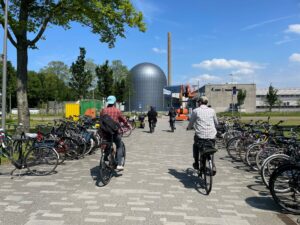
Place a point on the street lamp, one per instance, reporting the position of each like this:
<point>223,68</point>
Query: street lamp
<point>231,93</point>
<point>4,67</point>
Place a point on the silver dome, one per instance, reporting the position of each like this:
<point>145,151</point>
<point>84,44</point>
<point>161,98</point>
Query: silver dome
<point>148,81</point>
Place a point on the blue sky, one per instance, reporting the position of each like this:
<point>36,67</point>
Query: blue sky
<point>254,40</point>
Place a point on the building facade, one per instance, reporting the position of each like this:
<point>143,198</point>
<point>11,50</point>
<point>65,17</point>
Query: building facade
<point>288,100</point>
<point>223,98</point>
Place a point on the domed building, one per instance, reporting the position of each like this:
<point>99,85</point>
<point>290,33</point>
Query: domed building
<point>148,81</point>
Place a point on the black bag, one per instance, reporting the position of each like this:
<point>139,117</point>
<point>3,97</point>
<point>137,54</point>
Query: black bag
<point>108,125</point>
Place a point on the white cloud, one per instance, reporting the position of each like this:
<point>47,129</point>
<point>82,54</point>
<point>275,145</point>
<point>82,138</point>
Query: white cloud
<point>159,50</point>
<point>285,40</point>
<point>243,71</point>
<point>226,64</point>
<point>295,57</point>
<point>250,27</point>
<point>203,78</point>
<point>293,28</point>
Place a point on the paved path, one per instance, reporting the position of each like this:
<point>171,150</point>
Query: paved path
<point>157,187</point>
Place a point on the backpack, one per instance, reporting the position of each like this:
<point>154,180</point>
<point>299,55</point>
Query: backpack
<point>108,125</point>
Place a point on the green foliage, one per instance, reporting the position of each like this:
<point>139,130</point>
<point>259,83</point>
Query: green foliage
<point>105,80</point>
<point>30,18</point>
<point>58,68</point>
<point>11,82</point>
<point>271,97</point>
<point>81,79</point>
<point>241,97</point>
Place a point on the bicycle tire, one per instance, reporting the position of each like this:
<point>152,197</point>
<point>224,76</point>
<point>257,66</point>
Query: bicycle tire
<point>231,148</point>
<point>105,170</point>
<point>292,180</point>
<point>126,132</point>
<point>251,152</point>
<point>41,160</point>
<point>263,154</point>
<point>208,174</point>
<point>72,147</point>
<point>269,165</point>
<point>124,153</point>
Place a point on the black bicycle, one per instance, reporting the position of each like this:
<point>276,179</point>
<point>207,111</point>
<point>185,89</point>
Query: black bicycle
<point>206,163</point>
<point>152,125</point>
<point>284,186</point>
<point>39,160</point>
<point>108,160</point>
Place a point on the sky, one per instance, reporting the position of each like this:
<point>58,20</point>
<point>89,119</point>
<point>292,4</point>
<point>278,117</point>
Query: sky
<point>213,41</point>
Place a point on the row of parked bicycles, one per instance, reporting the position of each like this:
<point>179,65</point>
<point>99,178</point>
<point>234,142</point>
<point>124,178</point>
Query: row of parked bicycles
<point>273,151</point>
<point>48,146</point>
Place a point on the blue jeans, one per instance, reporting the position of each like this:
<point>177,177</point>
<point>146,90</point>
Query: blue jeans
<point>118,142</point>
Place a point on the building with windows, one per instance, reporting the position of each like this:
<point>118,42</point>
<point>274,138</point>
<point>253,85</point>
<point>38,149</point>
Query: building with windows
<point>223,97</point>
<point>288,100</point>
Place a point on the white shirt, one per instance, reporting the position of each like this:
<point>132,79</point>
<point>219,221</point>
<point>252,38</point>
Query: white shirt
<point>204,121</point>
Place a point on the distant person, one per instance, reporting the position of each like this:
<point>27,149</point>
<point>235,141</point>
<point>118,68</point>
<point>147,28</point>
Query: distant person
<point>152,118</point>
<point>172,118</point>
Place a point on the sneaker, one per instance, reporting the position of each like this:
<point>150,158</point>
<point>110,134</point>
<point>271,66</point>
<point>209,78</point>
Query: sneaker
<point>214,172</point>
<point>120,167</point>
<point>196,166</point>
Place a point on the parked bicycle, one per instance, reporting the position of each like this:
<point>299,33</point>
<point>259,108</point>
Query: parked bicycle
<point>39,160</point>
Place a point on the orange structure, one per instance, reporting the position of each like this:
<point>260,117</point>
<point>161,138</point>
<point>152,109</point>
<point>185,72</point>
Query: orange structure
<point>184,95</point>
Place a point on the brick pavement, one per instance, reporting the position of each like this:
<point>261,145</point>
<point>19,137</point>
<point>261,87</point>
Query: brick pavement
<point>158,186</point>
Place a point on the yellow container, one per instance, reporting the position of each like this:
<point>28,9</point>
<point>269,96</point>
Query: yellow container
<point>72,110</point>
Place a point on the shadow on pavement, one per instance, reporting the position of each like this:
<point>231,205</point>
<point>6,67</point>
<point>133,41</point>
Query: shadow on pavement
<point>189,178</point>
<point>168,131</point>
<point>263,203</point>
<point>95,176</point>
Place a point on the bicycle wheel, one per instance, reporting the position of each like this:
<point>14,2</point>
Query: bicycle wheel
<point>41,160</point>
<point>208,174</point>
<point>126,132</point>
<point>264,154</point>
<point>270,164</point>
<point>71,147</point>
<point>285,187</point>
<point>105,169</point>
<point>232,148</point>
<point>251,153</point>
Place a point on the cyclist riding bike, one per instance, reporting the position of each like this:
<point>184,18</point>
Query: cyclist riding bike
<point>117,116</point>
<point>152,118</point>
<point>172,115</point>
<point>204,121</point>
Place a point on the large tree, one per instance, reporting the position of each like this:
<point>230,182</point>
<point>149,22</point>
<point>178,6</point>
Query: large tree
<point>107,18</point>
<point>58,68</point>
<point>105,83</point>
<point>271,97</point>
<point>81,79</point>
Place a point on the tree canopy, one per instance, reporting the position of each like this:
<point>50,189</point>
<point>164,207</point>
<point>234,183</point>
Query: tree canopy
<point>271,97</point>
<point>28,20</point>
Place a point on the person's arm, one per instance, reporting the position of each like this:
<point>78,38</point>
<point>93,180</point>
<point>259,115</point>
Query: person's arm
<point>192,121</point>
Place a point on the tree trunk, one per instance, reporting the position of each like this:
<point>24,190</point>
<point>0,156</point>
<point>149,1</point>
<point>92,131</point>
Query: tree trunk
<point>23,110</point>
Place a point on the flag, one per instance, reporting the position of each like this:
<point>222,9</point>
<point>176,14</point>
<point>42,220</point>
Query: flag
<point>167,92</point>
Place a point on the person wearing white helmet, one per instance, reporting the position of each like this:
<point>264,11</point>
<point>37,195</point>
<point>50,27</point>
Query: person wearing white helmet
<point>204,121</point>
<point>118,117</point>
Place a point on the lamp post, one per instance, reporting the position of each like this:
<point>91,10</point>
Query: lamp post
<point>231,93</point>
<point>4,67</point>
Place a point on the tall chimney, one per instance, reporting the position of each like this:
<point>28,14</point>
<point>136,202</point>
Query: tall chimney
<point>169,60</point>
